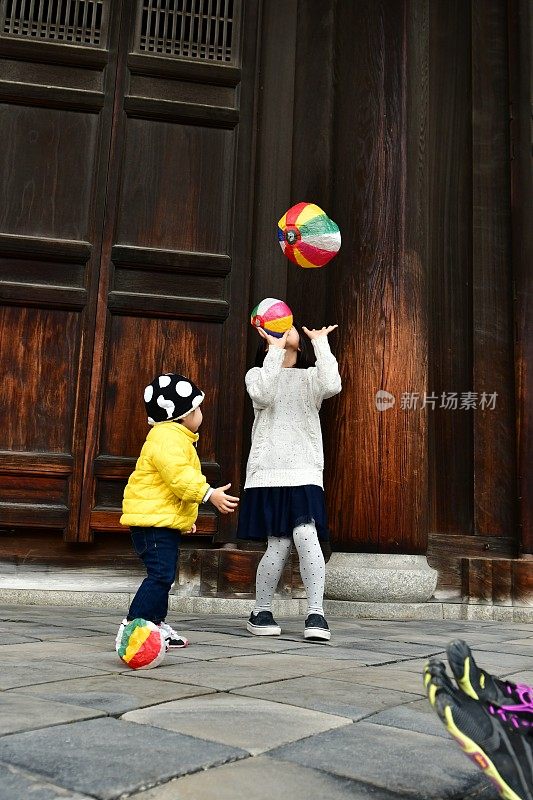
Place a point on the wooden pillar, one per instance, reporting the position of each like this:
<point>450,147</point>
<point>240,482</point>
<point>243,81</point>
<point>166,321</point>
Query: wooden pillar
<point>492,341</point>
<point>520,29</point>
<point>377,460</point>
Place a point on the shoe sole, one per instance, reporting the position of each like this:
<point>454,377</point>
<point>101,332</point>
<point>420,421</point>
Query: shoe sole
<point>460,660</point>
<point>263,630</point>
<point>178,646</point>
<point>317,634</point>
<point>475,753</point>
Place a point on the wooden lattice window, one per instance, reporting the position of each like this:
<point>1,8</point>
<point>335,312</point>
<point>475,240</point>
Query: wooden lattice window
<point>206,30</point>
<point>78,22</point>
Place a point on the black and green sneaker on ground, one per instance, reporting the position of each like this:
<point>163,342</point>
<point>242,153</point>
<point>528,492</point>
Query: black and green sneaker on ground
<point>481,685</point>
<point>498,743</point>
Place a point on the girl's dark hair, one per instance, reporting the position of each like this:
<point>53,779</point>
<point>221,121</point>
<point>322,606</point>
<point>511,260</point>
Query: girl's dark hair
<point>305,357</point>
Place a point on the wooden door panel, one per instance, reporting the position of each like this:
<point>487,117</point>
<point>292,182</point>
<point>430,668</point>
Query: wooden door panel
<point>55,117</point>
<point>38,374</point>
<point>46,165</point>
<point>181,194</point>
<point>136,346</point>
<point>173,280</point>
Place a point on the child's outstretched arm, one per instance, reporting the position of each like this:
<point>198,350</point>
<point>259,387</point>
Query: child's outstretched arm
<point>325,378</point>
<point>262,382</point>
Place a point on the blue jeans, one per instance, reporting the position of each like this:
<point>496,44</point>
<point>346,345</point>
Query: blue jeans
<point>158,548</point>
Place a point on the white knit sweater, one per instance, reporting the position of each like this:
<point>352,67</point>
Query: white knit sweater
<point>286,437</point>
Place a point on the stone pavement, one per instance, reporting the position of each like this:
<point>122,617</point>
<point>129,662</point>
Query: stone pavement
<point>234,717</point>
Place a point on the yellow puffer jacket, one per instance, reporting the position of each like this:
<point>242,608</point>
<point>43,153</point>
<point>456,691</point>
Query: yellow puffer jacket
<point>167,485</point>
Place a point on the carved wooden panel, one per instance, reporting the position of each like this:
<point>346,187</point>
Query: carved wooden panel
<point>196,29</point>
<point>80,22</point>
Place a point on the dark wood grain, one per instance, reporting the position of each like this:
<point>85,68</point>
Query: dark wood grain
<point>376,460</point>
<point>494,429</point>
<point>450,256</point>
<point>521,93</point>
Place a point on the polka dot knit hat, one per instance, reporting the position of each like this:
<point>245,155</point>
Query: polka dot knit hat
<point>171,396</point>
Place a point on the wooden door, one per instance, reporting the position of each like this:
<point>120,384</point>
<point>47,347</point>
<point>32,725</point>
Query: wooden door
<point>57,75</point>
<point>173,287</point>
<point>127,128</point>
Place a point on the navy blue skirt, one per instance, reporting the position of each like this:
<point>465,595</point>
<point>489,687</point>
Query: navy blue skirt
<point>277,510</point>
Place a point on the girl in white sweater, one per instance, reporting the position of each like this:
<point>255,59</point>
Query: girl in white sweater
<point>284,495</point>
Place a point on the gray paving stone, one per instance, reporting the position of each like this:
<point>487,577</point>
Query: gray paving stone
<point>40,632</point>
<point>387,676</point>
<point>352,655</point>
<point>263,778</point>
<point>199,651</point>
<point>18,785</point>
<point>417,716</point>
<point>426,767</point>
<point>331,697</point>
<point>247,642</point>
<point>525,677</point>
<point>515,647</point>
<point>19,712</point>
<point>107,758</point>
<point>94,651</point>
<point>252,724</point>
<point>113,694</point>
<point>231,673</point>
<point>16,673</point>
<point>396,648</point>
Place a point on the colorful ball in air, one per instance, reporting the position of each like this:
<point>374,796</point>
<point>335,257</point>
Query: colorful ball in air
<point>308,236</point>
<point>273,316</point>
<point>141,644</point>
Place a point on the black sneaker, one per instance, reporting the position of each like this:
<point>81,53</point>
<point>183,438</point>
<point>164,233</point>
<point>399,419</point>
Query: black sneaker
<point>481,685</point>
<point>316,628</point>
<point>498,743</point>
<point>263,624</point>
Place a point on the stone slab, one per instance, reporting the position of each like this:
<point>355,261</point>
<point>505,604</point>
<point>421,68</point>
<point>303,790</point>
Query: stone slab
<point>385,677</point>
<point>19,712</point>
<point>18,785</point>
<point>263,778</point>
<point>16,672</point>
<point>199,651</point>
<point>385,611</point>
<point>232,673</point>
<point>417,716</point>
<point>357,654</point>
<point>252,724</point>
<point>414,764</point>
<point>107,758</point>
<point>113,694</point>
<point>331,697</point>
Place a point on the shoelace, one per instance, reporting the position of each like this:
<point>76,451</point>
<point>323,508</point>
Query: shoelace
<point>507,716</point>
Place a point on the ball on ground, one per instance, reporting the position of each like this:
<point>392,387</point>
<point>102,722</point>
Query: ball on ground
<point>141,644</point>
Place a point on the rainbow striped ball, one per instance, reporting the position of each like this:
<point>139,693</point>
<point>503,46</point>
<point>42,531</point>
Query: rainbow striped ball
<point>274,316</point>
<point>141,644</point>
<point>308,236</point>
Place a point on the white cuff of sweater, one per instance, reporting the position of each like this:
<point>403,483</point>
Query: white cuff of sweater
<point>208,494</point>
<point>321,344</point>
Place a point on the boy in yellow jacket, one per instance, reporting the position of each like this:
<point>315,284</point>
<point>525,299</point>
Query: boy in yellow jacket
<point>163,493</point>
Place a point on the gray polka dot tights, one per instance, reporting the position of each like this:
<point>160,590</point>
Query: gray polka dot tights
<point>312,568</point>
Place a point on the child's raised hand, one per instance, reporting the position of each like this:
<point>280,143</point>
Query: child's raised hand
<point>225,503</point>
<point>316,334</point>
<point>273,340</point>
